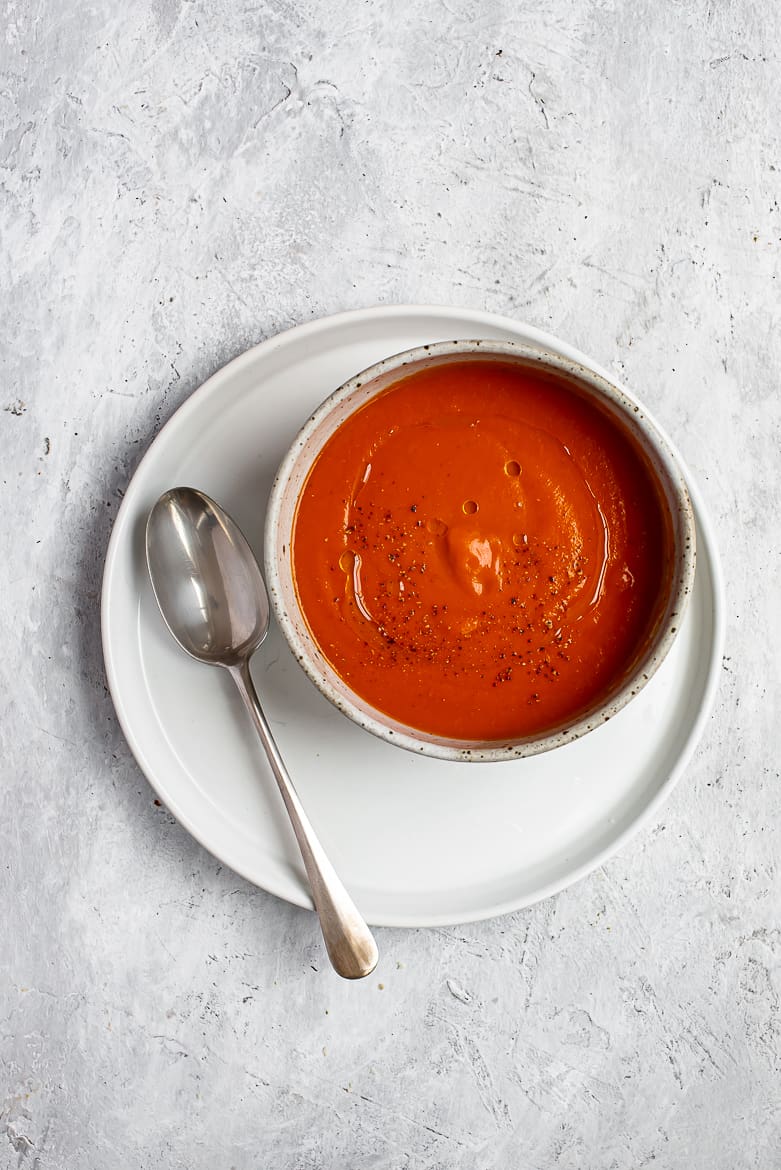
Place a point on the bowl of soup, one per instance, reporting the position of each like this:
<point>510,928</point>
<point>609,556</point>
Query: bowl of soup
<point>479,550</point>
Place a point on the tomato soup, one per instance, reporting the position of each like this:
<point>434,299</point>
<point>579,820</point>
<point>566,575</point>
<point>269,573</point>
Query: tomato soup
<point>481,551</point>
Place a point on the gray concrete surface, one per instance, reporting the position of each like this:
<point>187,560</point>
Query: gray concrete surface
<point>179,180</point>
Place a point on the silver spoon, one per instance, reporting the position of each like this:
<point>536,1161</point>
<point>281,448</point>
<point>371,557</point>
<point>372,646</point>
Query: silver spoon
<point>213,598</point>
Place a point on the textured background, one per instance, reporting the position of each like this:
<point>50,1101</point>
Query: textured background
<point>179,180</point>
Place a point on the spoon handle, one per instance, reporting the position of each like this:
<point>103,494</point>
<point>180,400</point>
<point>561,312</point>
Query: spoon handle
<point>348,940</point>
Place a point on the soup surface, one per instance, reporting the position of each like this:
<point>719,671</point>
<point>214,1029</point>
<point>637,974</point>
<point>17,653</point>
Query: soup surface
<point>480,552</point>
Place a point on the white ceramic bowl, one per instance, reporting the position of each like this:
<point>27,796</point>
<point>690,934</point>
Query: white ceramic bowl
<point>356,393</point>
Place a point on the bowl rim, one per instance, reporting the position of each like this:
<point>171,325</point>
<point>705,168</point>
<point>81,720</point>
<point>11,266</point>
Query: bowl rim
<point>652,439</point>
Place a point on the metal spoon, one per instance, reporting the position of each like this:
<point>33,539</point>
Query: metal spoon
<point>213,598</point>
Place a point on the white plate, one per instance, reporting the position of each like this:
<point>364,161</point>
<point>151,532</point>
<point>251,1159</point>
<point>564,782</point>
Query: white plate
<point>418,841</point>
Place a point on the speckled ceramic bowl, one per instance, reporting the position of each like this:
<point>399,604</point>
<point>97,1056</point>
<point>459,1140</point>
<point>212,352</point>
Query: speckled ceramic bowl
<point>356,393</point>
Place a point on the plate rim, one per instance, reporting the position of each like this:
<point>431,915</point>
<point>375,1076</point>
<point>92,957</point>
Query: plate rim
<point>706,541</point>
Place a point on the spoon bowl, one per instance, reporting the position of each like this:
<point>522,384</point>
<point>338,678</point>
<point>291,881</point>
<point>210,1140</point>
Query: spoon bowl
<point>206,580</point>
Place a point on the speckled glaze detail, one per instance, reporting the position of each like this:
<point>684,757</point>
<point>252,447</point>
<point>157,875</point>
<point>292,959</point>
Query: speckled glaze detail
<point>354,394</point>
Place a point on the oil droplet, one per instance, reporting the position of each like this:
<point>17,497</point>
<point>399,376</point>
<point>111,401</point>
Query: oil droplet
<point>436,527</point>
<point>469,507</point>
<point>520,541</point>
<point>347,561</point>
<point>512,467</point>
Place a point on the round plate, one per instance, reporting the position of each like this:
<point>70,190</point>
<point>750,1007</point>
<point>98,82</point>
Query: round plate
<point>418,841</point>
